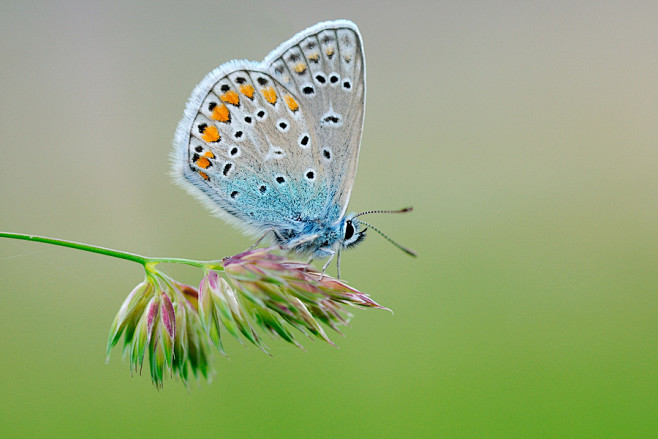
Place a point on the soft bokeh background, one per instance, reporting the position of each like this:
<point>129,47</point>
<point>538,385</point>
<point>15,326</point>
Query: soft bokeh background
<point>523,133</point>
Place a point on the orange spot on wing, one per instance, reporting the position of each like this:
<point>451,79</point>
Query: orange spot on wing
<point>329,51</point>
<point>292,103</point>
<point>202,162</point>
<point>209,154</point>
<point>247,90</point>
<point>204,175</point>
<point>300,67</point>
<point>220,113</point>
<point>314,57</point>
<point>211,134</point>
<point>230,97</point>
<point>269,94</point>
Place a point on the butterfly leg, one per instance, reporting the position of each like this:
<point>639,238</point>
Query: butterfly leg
<point>259,240</point>
<point>338,264</point>
<point>299,241</point>
<point>324,268</point>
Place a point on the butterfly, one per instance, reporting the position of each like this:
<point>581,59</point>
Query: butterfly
<point>272,146</point>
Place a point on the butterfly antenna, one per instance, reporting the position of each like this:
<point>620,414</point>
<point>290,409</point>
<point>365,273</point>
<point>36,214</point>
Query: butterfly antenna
<point>404,249</point>
<point>403,210</point>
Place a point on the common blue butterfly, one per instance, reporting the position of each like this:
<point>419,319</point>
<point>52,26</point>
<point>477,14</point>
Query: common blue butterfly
<point>273,146</point>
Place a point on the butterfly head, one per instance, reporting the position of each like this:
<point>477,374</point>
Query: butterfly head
<point>352,233</point>
<point>323,240</point>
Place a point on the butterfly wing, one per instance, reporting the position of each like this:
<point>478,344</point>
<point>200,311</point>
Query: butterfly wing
<point>324,67</point>
<point>253,144</point>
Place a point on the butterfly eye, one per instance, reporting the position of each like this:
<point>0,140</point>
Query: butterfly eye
<point>349,230</point>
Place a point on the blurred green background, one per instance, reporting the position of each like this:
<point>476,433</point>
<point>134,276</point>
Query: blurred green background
<point>525,135</point>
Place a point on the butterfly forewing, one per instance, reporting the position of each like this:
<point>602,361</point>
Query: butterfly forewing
<point>324,66</point>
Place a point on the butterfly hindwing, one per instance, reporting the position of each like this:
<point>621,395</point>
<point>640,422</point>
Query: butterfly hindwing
<point>246,147</point>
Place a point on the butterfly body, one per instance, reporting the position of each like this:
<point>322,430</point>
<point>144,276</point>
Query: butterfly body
<point>273,146</point>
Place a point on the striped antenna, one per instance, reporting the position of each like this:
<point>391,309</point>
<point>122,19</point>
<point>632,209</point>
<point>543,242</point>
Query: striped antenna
<point>404,249</point>
<point>403,210</point>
